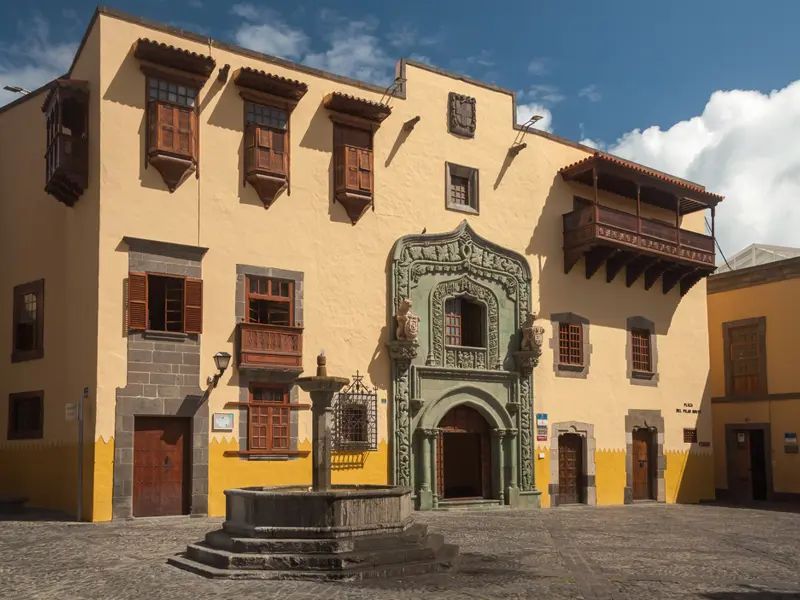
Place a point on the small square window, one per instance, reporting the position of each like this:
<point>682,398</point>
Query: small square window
<point>25,416</point>
<point>28,332</point>
<point>461,188</point>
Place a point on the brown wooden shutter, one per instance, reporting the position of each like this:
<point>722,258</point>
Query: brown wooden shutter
<point>166,128</point>
<point>193,306</point>
<point>278,158</point>
<point>365,170</point>
<point>184,139</point>
<point>137,301</point>
<point>264,148</point>
<point>152,117</point>
<point>352,155</point>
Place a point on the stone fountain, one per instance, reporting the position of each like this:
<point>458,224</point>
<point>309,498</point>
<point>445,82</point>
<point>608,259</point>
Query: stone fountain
<point>326,532</point>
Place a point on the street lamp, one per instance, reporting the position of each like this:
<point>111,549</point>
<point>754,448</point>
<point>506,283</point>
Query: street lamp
<point>16,89</point>
<point>221,361</point>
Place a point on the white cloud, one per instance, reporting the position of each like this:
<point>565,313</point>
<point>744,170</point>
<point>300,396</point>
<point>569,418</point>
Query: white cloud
<point>526,111</point>
<point>355,52</point>
<point>596,144</point>
<point>33,60</point>
<point>264,31</point>
<point>745,145</point>
<point>544,94</point>
<point>590,93</point>
<point>539,66</point>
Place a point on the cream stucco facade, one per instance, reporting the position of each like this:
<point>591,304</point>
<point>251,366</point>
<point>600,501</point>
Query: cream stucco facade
<point>216,224</point>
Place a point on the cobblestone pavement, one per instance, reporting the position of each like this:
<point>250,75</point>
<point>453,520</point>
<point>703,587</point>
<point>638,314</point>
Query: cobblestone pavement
<point>632,552</point>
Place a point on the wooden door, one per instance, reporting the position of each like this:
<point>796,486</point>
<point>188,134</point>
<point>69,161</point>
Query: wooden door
<point>160,466</point>
<point>463,459</point>
<point>741,472</point>
<point>570,469</point>
<point>642,482</point>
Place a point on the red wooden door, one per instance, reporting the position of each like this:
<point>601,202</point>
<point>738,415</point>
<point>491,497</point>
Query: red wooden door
<point>160,467</point>
<point>742,484</point>
<point>570,469</point>
<point>641,465</point>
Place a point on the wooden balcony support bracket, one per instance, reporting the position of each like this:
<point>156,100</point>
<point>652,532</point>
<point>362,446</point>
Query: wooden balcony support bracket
<point>653,272</point>
<point>688,282</point>
<point>617,262</point>
<point>637,267</point>
<point>595,259</point>
<point>571,257</point>
<point>673,277</point>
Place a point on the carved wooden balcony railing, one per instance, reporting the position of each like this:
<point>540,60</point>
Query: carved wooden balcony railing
<point>643,246</point>
<point>269,347</point>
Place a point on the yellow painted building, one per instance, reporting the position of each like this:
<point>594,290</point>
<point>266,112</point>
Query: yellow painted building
<point>202,198</point>
<point>755,383</point>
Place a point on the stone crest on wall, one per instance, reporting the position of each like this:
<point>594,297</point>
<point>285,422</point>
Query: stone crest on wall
<point>407,322</point>
<point>461,115</point>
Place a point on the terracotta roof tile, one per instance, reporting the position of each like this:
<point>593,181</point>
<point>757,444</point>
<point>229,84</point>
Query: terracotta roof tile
<point>644,170</point>
<point>164,46</point>
<point>286,80</point>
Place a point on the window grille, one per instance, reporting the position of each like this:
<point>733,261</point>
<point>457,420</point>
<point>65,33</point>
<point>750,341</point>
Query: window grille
<point>355,411</point>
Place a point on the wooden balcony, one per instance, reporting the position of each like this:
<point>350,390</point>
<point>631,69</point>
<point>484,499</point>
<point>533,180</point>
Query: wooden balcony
<point>67,166</point>
<point>642,246</point>
<point>269,347</point>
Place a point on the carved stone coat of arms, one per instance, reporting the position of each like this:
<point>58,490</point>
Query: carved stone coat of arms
<point>461,115</point>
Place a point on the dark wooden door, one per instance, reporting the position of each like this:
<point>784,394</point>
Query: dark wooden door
<point>463,460</point>
<point>160,466</point>
<point>642,481</point>
<point>741,472</point>
<point>570,469</point>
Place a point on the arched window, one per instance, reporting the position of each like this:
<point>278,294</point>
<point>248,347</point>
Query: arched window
<point>464,323</point>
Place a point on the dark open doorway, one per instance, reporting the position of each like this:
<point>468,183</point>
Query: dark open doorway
<point>463,461</point>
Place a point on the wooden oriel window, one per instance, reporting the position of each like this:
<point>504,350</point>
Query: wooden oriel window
<point>28,325</point>
<point>268,418</point>
<point>353,159</point>
<point>463,323</point>
<point>642,354</point>
<point>172,118</point>
<point>165,303</point>
<point>270,301</point>
<point>570,344</point>
<point>745,359</point>
<point>266,140</point>
<point>25,416</point>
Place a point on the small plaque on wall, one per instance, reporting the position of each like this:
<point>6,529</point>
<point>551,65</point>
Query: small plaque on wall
<point>790,443</point>
<point>223,422</point>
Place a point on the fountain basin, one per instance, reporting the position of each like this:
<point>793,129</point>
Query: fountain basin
<point>296,512</point>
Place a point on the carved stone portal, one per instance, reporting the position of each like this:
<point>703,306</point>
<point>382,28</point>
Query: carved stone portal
<point>461,117</point>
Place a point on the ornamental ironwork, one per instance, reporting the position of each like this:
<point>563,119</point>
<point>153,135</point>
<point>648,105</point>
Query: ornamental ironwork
<point>355,422</point>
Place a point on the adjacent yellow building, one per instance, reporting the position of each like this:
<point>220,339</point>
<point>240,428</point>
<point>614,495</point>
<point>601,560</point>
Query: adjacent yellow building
<point>523,318</point>
<point>755,383</point>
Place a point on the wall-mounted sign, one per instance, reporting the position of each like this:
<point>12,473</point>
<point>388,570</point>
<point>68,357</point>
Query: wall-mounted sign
<point>541,427</point>
<point>704,444</point>
<point>741,437</point>
<point>541,419</point>
<point>688,411</point>
<point>71,412</point>
<point>223,422</point>
<point>790,443</point>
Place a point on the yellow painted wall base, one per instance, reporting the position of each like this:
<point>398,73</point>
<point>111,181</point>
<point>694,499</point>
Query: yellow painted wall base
<point>47,474</point>
<point>226,472</point>
<point>689,477</point>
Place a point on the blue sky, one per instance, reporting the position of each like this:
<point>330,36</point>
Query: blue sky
<point>636,78</point>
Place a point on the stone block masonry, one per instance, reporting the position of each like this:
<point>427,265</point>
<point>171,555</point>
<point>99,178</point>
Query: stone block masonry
<point>163,380</point>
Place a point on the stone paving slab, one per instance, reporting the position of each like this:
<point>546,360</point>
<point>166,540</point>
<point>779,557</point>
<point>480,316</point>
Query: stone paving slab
<point>614,553</point>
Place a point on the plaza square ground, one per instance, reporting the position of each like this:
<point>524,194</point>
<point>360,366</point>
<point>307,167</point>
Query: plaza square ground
<point>626,552</point>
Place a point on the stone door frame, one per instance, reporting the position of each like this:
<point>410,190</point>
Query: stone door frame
<point>585,431</point>
<point>652,420</point>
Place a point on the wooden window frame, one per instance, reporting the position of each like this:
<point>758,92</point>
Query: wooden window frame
<point>269,297</point>
<point>139,309</point>
<point>285,406</point>
<point>473,190</point>
<point>760,325</point>
<point>264,101</point>
<point>20,291</point>
<point>641,350</point>
<point>340,152</point>
<point>178,78</point>
<point>570,345</point>
<point>34,434</point>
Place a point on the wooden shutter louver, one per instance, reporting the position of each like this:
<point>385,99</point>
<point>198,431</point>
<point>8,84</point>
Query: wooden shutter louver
<point>137,301</point>
<point>265,150</point>
<point>172,129</point>
<point>193,306</point>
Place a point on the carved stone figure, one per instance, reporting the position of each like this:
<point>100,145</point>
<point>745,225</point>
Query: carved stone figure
<point>461,115</point>
<point>532,335</point>
<point>407,322</point>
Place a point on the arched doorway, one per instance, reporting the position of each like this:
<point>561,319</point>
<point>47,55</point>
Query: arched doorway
<point>463,461</point>
<point>644,464</point>
<point>570,468</point>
